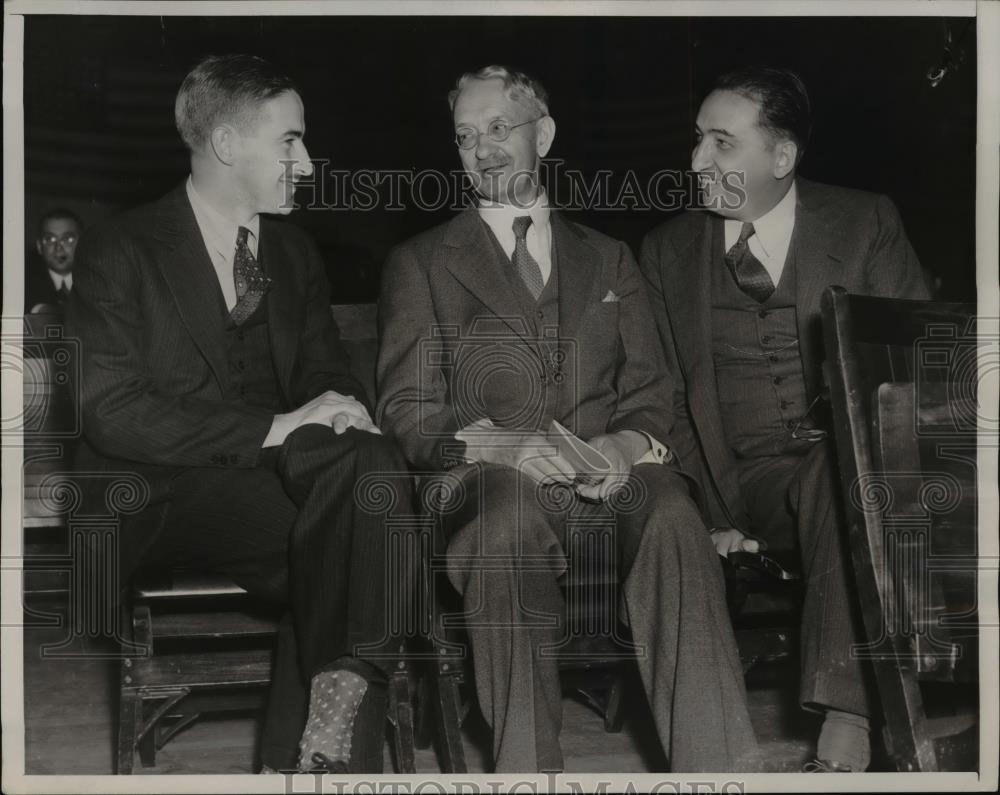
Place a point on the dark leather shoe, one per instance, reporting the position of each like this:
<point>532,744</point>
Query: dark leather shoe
<point>323,764</point>
<point>825,766</point>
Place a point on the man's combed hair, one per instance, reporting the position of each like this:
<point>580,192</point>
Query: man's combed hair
<point>225,88</point>
<point>518,86</point>
<point>61,213</point>
<point>782,96</point>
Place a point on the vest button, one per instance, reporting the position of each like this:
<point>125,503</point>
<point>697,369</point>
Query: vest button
<point>785,404</point>
<point>765,339</point>
<point>777,380</point>
<point>540,313</point>
<point>790,425</point>
<point>240,335</point>
<point>762,313</point>
<point>773,359</point>
<point>558,378</point>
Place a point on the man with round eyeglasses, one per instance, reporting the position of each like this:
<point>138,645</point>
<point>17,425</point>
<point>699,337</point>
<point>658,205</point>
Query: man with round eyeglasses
<point>494,327</point>
<point>46,290</point>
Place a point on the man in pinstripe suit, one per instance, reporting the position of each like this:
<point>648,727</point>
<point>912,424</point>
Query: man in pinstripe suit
<point>214,369</point>
<point>736,295</point>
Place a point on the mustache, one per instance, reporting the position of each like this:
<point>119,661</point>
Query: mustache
<point>494,163</point>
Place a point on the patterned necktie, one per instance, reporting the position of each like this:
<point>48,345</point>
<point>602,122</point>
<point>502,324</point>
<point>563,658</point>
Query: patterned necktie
<point>751,277</point>
<point>251,283</point>
<point>527,267</point>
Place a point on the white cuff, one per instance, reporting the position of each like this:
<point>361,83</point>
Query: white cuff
<point>657,454</point>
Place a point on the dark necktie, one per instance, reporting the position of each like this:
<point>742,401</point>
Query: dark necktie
<point>62,294</point>
<point>751,277</point>
<point>527,267</point>
<point>251,283</point>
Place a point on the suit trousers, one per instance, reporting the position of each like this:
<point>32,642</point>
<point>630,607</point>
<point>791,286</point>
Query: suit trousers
<point>506,556</point>
<point>297,532</point>
<point>794,501</point>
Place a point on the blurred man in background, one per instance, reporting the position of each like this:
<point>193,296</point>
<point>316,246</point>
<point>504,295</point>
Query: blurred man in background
<point>48,284</point>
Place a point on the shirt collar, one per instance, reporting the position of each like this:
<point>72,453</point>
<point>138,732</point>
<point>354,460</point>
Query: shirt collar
<point>59,279</point>
<point>218,231</point>
<point>500,217</point>
<point>773,229</point>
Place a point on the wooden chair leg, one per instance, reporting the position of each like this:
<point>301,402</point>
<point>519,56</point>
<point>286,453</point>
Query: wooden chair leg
<point>423,732</point>
<point>449,721</point>
<point>129,719</point>
<point>401,710</point>
<point>614,715</point>
<point>147,747</point>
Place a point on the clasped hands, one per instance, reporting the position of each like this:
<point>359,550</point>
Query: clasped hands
<point>536,457</point>
<point>332,409</point>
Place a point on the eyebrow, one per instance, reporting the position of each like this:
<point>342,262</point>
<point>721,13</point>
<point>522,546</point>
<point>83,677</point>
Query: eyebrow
<point>292,133</point>
<point>715,130</point>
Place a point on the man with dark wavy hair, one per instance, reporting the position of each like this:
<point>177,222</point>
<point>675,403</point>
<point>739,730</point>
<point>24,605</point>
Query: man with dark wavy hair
<point>736,295</point>
<point>213,368</point>
<point>492,326</point>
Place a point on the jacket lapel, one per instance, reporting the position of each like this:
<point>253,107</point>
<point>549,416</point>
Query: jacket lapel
<point>470,259</point>
<point>690,304</point>
<point>818,258</point>
<point>281,315</point>
<point>187,269</point>
<point>579,268</point>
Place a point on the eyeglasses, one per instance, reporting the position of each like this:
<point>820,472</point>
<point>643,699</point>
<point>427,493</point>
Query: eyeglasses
<point>67,239</point>
<point>498,130</point>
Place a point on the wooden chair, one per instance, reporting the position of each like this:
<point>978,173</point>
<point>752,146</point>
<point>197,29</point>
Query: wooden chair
<point>903,379</point>
<point>197,643</point>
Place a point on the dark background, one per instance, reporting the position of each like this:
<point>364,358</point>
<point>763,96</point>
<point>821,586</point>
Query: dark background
<point>99,92</point>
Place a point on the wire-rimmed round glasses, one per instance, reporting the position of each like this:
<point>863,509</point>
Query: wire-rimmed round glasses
<point>67,239</point>
<point>498,130</point>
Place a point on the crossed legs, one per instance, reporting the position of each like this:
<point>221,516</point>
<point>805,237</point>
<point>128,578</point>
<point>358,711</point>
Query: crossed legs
<point>506,555</point>
<point>293,532</point>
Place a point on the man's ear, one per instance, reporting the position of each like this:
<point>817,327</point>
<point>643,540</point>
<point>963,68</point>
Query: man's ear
<point>38,246</point>
<point>546,133</point>
<point>785,154</point>
<point>223,141</point>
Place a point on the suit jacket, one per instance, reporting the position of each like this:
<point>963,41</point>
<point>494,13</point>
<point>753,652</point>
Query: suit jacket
<point>38,287</point>
<point>846,237</point>
<point>146,307</point>
<point>455,345</point>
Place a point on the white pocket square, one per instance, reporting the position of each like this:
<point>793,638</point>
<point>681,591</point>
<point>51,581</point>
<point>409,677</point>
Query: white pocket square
<point>611,298</point>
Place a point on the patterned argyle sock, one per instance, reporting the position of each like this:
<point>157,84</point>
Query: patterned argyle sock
<point>334,697</point>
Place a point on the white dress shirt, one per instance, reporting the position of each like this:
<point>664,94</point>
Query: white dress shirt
<point>772,235</point>
<point>219,234</point>
<point>500,218</point>
<point>59,279</point>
